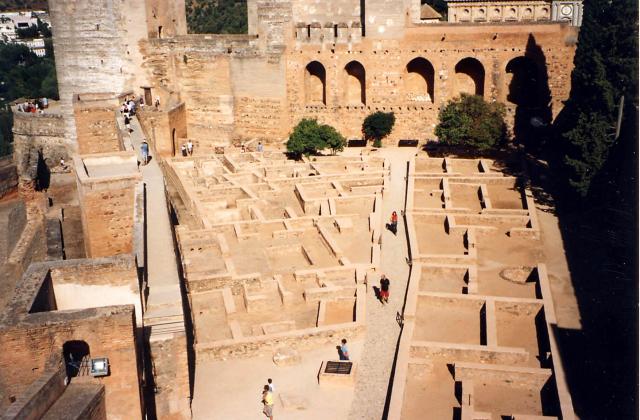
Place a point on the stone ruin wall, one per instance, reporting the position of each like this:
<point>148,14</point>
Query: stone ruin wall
<point>108,208</point>
<point>110,334</point>
<point>8,177</point>
<point>232,90</point>
<point>38,133</point>
<point>166,131</point>
<point>96,128</point>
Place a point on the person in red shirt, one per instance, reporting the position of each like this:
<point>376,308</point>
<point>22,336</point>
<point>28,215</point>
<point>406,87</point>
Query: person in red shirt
<point>393,226</point>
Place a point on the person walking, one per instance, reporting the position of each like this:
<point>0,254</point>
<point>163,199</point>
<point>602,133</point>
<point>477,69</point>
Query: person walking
<point>183,150</point>
<point>127,123</point>
<point>393,226</point>
<point>271,386</point>
<point>343,350</point>
<point>384,289</point>
<point>144,150</point>
<point>267,401</point>
<point>190,147</point>
<point>260,147</point>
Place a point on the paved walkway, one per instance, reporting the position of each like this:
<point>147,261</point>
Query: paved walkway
<point>164,303</point>
<point>374,370</point>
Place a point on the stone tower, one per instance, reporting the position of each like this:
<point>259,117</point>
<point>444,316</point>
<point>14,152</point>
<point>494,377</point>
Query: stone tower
<point>98,45</point>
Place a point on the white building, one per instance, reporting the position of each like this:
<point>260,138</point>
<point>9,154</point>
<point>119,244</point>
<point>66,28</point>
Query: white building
<point>10,22</point>
<point>36,45</point>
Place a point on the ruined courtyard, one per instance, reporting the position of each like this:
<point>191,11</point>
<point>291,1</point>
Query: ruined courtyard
<point>192,278</point>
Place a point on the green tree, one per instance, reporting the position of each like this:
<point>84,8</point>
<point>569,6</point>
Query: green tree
<point>309,137</point>
<point>606,69</point>
<point>217,16</point>
<point>332,139</point>
<point>378,126</point>
<point>471,121</point>
<point>306,138</point>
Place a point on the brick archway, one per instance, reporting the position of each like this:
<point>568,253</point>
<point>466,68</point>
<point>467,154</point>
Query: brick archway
<point>355,83</point>
<point>419,80</point>
<point>469,76</point>
<point>315,84</point>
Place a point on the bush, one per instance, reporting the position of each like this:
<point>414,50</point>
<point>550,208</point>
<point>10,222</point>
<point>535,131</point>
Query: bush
<point>308,137</point>
<point>470,121</point>
<point>378,126</point>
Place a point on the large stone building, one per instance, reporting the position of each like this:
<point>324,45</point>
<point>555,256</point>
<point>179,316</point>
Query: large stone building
<point>336,61</point>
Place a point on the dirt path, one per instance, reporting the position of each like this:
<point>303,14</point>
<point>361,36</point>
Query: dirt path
<point>382,333</point>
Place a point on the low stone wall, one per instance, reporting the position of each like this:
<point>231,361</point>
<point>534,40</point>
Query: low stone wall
<point>39,396</point>
<point>8,176</point>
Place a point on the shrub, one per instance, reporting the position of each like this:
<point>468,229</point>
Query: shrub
<point>378,126</point>
<point>309,137</point>
<point>470,121</point>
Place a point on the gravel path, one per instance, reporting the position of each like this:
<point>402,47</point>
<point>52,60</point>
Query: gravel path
<point>382,333</point>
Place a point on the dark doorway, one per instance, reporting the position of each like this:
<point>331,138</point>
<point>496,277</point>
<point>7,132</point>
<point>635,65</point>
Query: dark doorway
<point>76,356</point>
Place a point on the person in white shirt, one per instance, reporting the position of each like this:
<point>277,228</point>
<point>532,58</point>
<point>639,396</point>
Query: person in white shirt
<point>190,148</point>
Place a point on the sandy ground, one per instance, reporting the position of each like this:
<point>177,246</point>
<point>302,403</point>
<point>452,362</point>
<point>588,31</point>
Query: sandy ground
<point>234,387</point>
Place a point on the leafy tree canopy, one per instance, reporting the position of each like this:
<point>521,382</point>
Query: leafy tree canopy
<point>217,16</point>
<point>471,121</point>
<point>606,69</point>
<point>309,137</point>
<point>378,126</point>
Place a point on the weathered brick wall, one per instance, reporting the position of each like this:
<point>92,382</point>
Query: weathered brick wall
<point>197,67</point>
<point>35,134</point>
<point>13,218</point>
<point>166,18</point>
<point>224,101</point>
<point>107,217</point>
<point>40,395</point>
<point>108,331</point>
<point>96,129</point>
<point>8,176</point>
<point>107,195</point>
<point>385,65</point>
<point>164,129</point>
<point>171,375</point>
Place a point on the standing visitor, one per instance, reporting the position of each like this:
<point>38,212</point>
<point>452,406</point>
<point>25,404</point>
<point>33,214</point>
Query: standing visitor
<point>260,147</point>
<point>270,384</point>
<point>144,150</point>
<point>267,400</point>
<point>157,102</point>
<point>343,350</point>
<point>384,289</point>
<point>127,123</point>
<point>183,150</point>
<point>190,147</point>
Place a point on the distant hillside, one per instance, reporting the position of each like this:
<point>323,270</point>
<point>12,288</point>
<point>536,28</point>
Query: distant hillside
<point>8,5</point>
<point>216,16</point>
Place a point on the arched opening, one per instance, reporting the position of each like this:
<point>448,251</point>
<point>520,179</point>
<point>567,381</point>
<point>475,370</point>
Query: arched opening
<point>355,87</point>
<point>418,81</point>
<point>523,81</point>
<point>470,76</point>
<point>77,357</point>
<point>315,81</point>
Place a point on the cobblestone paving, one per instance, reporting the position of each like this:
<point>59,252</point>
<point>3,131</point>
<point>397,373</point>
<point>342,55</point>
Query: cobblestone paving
<point>382,333</point>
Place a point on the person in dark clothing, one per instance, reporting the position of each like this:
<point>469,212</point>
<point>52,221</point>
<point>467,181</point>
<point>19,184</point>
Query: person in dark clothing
<point>384,289</point>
